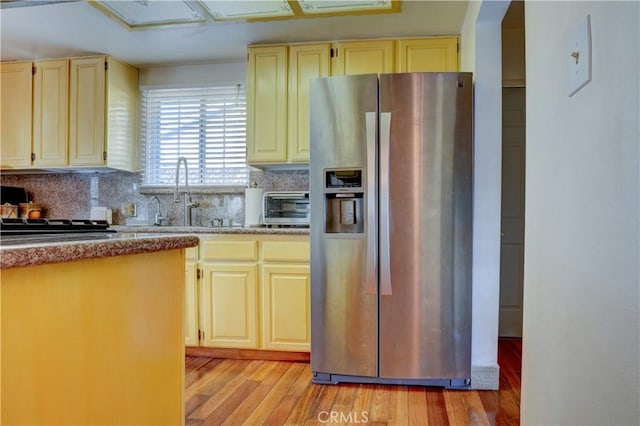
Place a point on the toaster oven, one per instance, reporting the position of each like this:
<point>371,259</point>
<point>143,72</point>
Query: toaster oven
<point>287,208</point>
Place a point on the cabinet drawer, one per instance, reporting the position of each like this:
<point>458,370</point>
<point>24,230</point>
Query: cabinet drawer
<point>191,253</point>
<point>230,250</point>
<point>297,251</point>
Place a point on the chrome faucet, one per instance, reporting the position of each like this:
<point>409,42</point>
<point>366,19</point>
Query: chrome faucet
<point>158,218</point>
<point>188,204</point>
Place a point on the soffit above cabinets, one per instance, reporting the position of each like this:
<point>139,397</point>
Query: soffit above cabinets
<point>141,14</point>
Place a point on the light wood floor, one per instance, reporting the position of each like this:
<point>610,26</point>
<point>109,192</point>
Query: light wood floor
<point>225,391</point>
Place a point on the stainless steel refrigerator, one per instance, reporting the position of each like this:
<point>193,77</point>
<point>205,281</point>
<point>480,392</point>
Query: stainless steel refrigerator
<point>391,221</point>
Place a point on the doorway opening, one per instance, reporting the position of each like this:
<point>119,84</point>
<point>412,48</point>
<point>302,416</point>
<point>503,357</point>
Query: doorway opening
<point>513,171</point>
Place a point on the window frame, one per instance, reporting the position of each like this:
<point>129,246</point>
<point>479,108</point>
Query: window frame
<point>197,172</point>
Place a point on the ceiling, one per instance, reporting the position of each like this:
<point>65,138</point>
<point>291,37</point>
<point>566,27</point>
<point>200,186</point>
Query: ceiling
<point>77,28</point>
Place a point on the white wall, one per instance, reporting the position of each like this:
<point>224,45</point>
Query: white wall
<point>581,284</point>
<point>481,54</point>
<point>188,75</point>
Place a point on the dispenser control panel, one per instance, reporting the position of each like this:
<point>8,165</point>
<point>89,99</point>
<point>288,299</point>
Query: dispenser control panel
<point>344,201</point>
<point>343,180</point>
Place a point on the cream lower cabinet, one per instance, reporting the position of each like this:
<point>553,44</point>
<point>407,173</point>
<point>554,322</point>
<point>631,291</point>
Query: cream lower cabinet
<point>192,274</point>
<point>253,293</point>
<point>286,316</point>
<point>285,295</point>
<point>228,318</point>
<point>228,292</point>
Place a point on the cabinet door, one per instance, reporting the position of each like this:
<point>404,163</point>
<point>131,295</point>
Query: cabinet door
<point>362,57</point>
<point>15,115</point>
<point>305,62</point>
<point>267,105</point>
<point>228,314</point>
<point>191,303</point>
<point>286,317</point>
<point>50,112</point>
<point>121,144</point>
<point>438,54</point>
<point>87,112</point>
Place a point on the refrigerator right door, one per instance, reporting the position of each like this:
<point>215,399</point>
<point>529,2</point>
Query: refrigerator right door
<point>425,225</point>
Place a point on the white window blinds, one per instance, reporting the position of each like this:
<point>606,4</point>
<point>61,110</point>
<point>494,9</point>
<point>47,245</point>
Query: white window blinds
<point>205,125</point>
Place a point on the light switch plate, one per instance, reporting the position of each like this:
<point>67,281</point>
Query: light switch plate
<point>579,56</point>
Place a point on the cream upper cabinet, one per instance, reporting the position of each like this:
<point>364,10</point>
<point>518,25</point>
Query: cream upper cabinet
<point>50,112</point>
<point>306,61</point>
<point>16,114</point>
<point>267,105</point>
<point>436,54</point>
<point>103,113</point>
<point>278,85</point>
<point>362,57</point>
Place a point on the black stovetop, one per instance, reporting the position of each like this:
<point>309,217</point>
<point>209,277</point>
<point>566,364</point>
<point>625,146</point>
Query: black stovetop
<point>19,226</point>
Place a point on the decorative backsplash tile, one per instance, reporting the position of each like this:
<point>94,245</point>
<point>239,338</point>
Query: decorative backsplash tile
<point>72,195</point>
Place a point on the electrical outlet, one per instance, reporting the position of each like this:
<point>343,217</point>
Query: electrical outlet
<point>129,209</point>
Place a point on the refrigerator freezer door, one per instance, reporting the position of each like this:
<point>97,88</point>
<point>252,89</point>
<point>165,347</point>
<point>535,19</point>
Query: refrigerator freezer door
<point>344,299</point>
<point>425,318</point>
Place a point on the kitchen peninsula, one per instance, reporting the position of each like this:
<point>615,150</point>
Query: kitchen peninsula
<point>92,330</point>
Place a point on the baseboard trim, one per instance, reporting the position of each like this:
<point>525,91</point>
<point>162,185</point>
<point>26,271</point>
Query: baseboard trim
<point>485,377</point>
<point>247,354</point>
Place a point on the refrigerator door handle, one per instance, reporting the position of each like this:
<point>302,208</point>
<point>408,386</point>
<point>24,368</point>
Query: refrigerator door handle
<point>385,209</point>
<point>372,196</point>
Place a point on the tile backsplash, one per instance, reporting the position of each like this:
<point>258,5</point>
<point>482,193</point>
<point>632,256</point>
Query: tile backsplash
<point>72,195</point>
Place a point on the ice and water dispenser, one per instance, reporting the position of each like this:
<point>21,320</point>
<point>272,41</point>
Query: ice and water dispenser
<point>344,201</point>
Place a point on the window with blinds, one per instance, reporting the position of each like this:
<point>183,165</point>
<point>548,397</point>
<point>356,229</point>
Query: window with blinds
<point>206,125</point>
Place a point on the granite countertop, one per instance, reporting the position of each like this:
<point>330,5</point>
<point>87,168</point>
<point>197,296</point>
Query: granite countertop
<point>30,251</point>
<point>212,230</point>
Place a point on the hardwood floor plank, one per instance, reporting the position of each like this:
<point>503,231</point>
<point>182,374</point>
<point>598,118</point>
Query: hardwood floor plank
<point>216,375</point>
<point>325,401</point>
<point>400,413</point>
<point>437,410</point>
<point>281,412</point>
<point>218,398</point>
<point>306,406</point>
<point>192,422</point>
<point>345,396</point>
<point>490,401</point>
<point>476,414</point>
<point>271,373</point>
<point>198,372</point>
<point>380,404</point>
<point>194,402</point>
<point>242,392</point>
<point>224,409</point>
<point>227,375</point>
<point>456,410</point>
<point>277,392</point>
<point>363,400</point>
<point>417,402</point>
